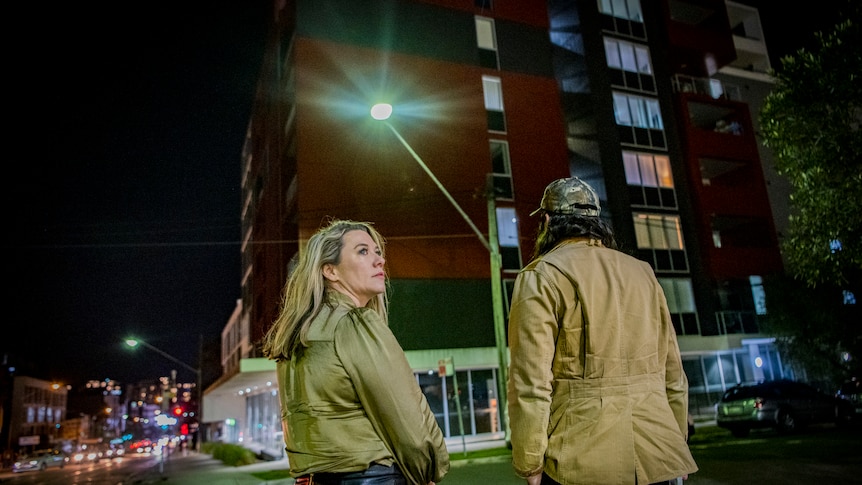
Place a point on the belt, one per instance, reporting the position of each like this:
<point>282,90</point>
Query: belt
<point>373,475</point>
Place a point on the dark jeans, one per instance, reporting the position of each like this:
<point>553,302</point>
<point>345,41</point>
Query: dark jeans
<point>374,475</point>
<point>546,480</point>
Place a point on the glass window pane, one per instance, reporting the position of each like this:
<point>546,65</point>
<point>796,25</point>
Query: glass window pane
<point>684,295</point>
<point>627,53</point>
<point>713,376</point>
<point>672,232</point>
<point>493,93</point>
<point>618,7</point>
<point>669,293</point>
<point>605,7</point>
<point>642,231</point>
<point>507,227</point>
<point>621,110</point>
<point>642,55</point>
<point>630,161</point>
<point>633,9</point>
<point>694,371</point>
<point>500,157</point>
<point>612,53</point>
<point>432,388</point>
<point>655,120</point>
<point>657,234</point>
<point>728,369</point>
<point>638,110</point>
<point>662,167</point>
<point>647,171</point>
<point>485,33</point>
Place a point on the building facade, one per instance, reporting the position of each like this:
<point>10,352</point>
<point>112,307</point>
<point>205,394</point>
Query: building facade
<point>497,99</point>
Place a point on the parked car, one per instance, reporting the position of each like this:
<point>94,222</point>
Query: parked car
<point>40,461</point>
<point>851,391</point>
<point>784,405</point>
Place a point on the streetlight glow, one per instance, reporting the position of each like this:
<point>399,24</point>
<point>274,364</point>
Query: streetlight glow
<point>382,112</point>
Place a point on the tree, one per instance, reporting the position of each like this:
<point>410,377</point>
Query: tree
<point>812,121</point>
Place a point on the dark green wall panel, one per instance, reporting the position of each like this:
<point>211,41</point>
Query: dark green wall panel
<point>433,314</point>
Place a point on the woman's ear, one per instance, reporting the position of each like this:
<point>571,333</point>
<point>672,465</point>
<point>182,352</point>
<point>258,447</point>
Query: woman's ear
<point>329,272</point>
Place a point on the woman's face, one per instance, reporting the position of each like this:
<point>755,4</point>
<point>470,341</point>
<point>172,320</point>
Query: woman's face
<point>359,274</point>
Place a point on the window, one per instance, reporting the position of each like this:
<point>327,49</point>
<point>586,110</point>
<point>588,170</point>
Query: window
<point>493,90</point>
<point>639,121</point>
<point>624,9</point>
<point>502,170</point>
<point>680,303</point>
<point>507,237</point>
<point>650,180</point>
<point>758,294</point>
<point>486,40</point>
<point>659,241</point>
<point>656,231</point>
<point>637,111</point>
<point>629,64</point>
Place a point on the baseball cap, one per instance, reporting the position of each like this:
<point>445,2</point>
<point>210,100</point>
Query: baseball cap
<point>570,196</point>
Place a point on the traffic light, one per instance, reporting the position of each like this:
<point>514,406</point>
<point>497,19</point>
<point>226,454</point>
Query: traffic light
<point>178,411</point>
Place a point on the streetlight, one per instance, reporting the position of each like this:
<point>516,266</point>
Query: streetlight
<point>382,112</point>
<point>134,342</point>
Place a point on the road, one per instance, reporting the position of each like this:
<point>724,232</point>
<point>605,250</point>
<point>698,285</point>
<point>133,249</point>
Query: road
<point>823,454</point>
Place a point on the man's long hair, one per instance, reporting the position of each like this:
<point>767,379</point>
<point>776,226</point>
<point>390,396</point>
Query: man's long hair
<point>560,227</point>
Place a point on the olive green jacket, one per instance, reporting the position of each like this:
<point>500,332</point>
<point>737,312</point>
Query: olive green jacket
<point>597,392</point>
<point>351,399</point>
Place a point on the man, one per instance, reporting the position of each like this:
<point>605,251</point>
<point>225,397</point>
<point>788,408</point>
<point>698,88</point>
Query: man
<point>597,393</point>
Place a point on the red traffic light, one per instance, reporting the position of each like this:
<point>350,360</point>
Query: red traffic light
<point>178,411</point>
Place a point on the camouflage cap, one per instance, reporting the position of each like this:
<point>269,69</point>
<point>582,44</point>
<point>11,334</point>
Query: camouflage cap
<point>570,196</point>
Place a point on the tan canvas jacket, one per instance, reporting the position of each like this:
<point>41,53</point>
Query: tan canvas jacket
<point>351,400</point>
<point>597,392</point>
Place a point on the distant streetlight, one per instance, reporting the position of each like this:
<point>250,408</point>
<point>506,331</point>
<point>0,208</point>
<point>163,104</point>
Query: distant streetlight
<point>134,342</point>
<point>382,112</point>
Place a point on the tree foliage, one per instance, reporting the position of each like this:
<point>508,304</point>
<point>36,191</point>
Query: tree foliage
<point>814,330</point>
<point>812,121</point>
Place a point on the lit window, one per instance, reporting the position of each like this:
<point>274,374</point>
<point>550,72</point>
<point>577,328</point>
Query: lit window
<point>637,111</point>
<point>656,231</point>
<point>486,40</point>
<point>624,9</point>
<point>493,91</point>
<point>627,56</point>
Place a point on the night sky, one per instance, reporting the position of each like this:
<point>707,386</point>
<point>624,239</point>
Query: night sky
<point>127,131</point>
<point>127,126</point>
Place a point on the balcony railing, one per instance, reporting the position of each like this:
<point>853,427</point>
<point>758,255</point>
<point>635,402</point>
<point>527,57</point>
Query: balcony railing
<point>704,85</point>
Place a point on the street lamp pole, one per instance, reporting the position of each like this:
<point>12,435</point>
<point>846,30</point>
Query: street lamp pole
<point>381,112</point>
<point>134,342</point>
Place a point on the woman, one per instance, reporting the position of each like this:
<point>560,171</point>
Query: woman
<point>352,411</point>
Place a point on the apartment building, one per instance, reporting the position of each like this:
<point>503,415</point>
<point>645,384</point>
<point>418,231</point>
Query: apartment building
<point>496,99</point>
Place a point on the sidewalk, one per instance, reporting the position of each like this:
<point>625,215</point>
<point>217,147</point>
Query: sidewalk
<point>202,469</point>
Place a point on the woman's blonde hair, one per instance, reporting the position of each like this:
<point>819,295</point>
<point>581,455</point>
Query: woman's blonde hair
<point>304,291</point>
